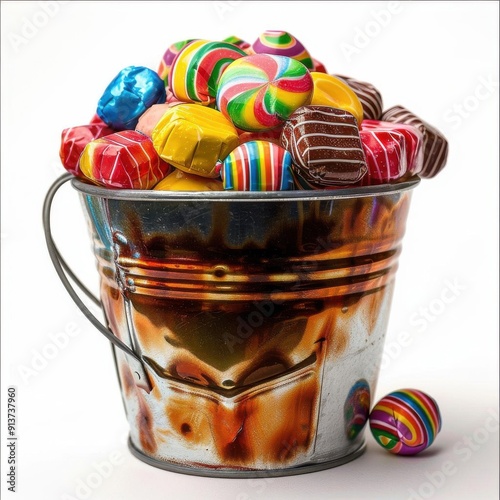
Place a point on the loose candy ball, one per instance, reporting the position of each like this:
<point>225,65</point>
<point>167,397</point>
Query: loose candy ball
<point>405,422</point>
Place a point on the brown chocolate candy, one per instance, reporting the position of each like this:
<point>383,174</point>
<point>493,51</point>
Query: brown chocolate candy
<point>369,96</point>
<point>435,143</point>
<point>325,146</point>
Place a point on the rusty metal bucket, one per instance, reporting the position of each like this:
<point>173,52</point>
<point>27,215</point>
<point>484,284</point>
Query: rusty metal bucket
<point>247,328</point>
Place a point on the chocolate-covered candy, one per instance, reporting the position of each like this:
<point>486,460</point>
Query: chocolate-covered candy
<point>435,143</point>
<point>325,146</point>
<point>370,97</point>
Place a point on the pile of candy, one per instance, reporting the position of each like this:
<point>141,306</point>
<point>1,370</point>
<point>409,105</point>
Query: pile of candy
<point>250,117</point>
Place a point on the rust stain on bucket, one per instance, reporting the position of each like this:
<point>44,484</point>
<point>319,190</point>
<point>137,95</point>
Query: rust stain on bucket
<point>251,319</point>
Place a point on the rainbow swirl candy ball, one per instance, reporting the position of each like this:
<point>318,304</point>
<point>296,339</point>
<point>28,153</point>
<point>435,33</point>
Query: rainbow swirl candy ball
<point>259,92</point>
<point>197,68</point>
<point>282,43</point>
<point>405,422</point>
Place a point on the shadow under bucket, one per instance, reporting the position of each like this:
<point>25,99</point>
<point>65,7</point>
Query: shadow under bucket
<point>247,327</point>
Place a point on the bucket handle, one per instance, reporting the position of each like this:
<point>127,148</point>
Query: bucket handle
<point>63,270</point>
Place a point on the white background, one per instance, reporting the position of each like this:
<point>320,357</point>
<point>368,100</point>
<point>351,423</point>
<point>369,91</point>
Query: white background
<point>435,58</point>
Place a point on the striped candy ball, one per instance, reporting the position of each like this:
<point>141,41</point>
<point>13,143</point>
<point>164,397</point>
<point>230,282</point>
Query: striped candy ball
<point>261,91</point>
<point>405,422</point>
<point>168,59</point>
<point>197,68</point>
<point>282,43</point>
<point>257,166</point>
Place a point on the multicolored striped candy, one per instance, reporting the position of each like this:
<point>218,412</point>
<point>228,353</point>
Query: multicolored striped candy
<point>123,160</point>
<point>391,150</point>
<point>129,94</point>
<point>405,422</point>
<point>74,140</point>
<point>168,58</point>
<point>282,43</point>
<point>331,91</point>
<point>197,68</point>
<point>257,166</point>
<point>325,146</point>
<point>235,40</point>
<point>435,143</point>
<point>261,91</point>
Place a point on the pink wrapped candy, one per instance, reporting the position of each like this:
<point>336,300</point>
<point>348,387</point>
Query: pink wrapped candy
<point>391,150</point>
<point>123,160</point>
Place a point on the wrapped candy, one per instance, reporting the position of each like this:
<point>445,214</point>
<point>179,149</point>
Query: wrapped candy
<point>261,91</point>
<point>181,181</point>
<point>369,96</point>
<point>325,146</point>
<point>147,121</point>
<point>129,94</point>
<point>257,166</point>
<point>391,150</point>
<point>194,138</point>
<point>435,143</point>
<point>74,140</point>
<point>331,91</point>
<point>123,160</point>
<point>282,43</point>
<point>197,68</point>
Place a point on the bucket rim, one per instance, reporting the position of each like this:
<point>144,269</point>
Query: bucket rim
<point>243,196</point>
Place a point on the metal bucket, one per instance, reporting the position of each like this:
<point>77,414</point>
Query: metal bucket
<point>247,328</point>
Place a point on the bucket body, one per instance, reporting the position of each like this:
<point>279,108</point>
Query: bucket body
<point>259,320</point>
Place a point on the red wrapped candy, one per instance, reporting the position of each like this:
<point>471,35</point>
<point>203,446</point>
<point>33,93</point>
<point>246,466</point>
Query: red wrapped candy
<point>74,140</point>
<point>391,150</point>
<point>124,160</point>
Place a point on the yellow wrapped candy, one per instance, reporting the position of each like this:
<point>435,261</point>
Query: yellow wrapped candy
<point>332,91</point>
<point>194,138</point>
<point>180,181</point>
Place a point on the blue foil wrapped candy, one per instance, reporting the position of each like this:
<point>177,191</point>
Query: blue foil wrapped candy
<point>129,95</point>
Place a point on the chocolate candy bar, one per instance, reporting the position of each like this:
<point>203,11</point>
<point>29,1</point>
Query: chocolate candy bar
<point>325,146</point>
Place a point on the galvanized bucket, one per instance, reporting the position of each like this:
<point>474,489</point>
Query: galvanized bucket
<point>247,327</point>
